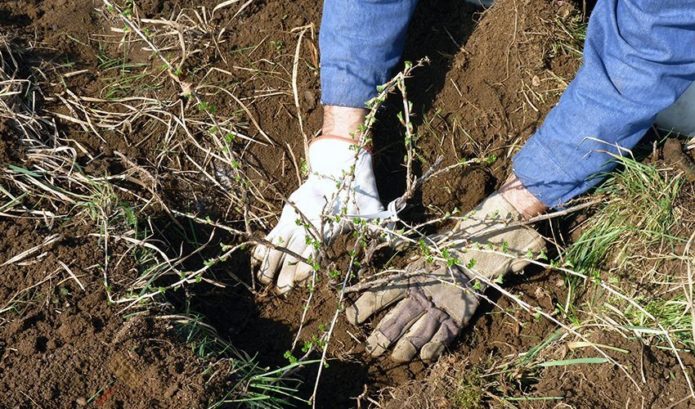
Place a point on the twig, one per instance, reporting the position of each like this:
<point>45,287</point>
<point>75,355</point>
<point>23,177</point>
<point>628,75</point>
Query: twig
<point>417,184</point>
<point>295,91</point>
<point>72,275</point>
<point>341,296</point>
<point>691,282</point>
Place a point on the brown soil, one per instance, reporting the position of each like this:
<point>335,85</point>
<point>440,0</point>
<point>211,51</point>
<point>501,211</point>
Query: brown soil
<point>497,90</point>
<point>10,150</point>
<point>65,345</point>
<point>487,88</point>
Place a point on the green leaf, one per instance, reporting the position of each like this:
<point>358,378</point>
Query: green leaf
<point>23,171</point>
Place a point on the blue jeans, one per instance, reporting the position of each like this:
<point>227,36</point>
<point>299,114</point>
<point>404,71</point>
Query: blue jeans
<point>639,56</point>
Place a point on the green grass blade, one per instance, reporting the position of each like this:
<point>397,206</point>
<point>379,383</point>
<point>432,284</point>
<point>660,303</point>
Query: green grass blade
<point>576,361</point>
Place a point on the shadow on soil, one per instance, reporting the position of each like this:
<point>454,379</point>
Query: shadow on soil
<point>238,318</point>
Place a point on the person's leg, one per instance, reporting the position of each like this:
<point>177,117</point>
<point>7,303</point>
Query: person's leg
<point>483,3</point>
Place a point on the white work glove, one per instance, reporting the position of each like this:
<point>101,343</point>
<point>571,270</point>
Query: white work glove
<point>435,305</point>
<point>329,190</point>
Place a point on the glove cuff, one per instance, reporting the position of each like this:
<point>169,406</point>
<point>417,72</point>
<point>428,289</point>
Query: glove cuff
<point>366,146</point>
<point>333,156</point>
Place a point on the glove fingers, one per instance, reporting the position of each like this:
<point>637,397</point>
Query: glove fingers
<point>304,270</point>
<point>271,259</point>
<point>261,251</point>
<point>258,255</point>
<point>418,335</point>
<point>286,277</point>
<point>447,332</point>
<point>269,266</point>
<point>394,324</point>
<point>374,300</point>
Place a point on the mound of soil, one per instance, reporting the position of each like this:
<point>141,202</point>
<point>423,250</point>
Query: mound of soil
<point>500,85</point>
<point>10,150</point>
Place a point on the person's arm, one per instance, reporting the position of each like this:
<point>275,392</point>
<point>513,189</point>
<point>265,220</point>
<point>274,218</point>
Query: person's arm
<point>639,56</point>
<point>361,41</point>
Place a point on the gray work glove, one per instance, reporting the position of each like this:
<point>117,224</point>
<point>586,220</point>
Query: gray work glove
<point>434,306</point>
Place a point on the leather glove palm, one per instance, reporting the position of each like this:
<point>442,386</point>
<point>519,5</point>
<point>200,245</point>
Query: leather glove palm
<point>434,306</point>
<point>329,190</point>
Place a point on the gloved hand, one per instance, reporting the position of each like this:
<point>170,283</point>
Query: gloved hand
<point>435,305</point>
<point>329,190</point>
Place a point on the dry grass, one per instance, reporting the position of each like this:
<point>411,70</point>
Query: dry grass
<point>51,186</point>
